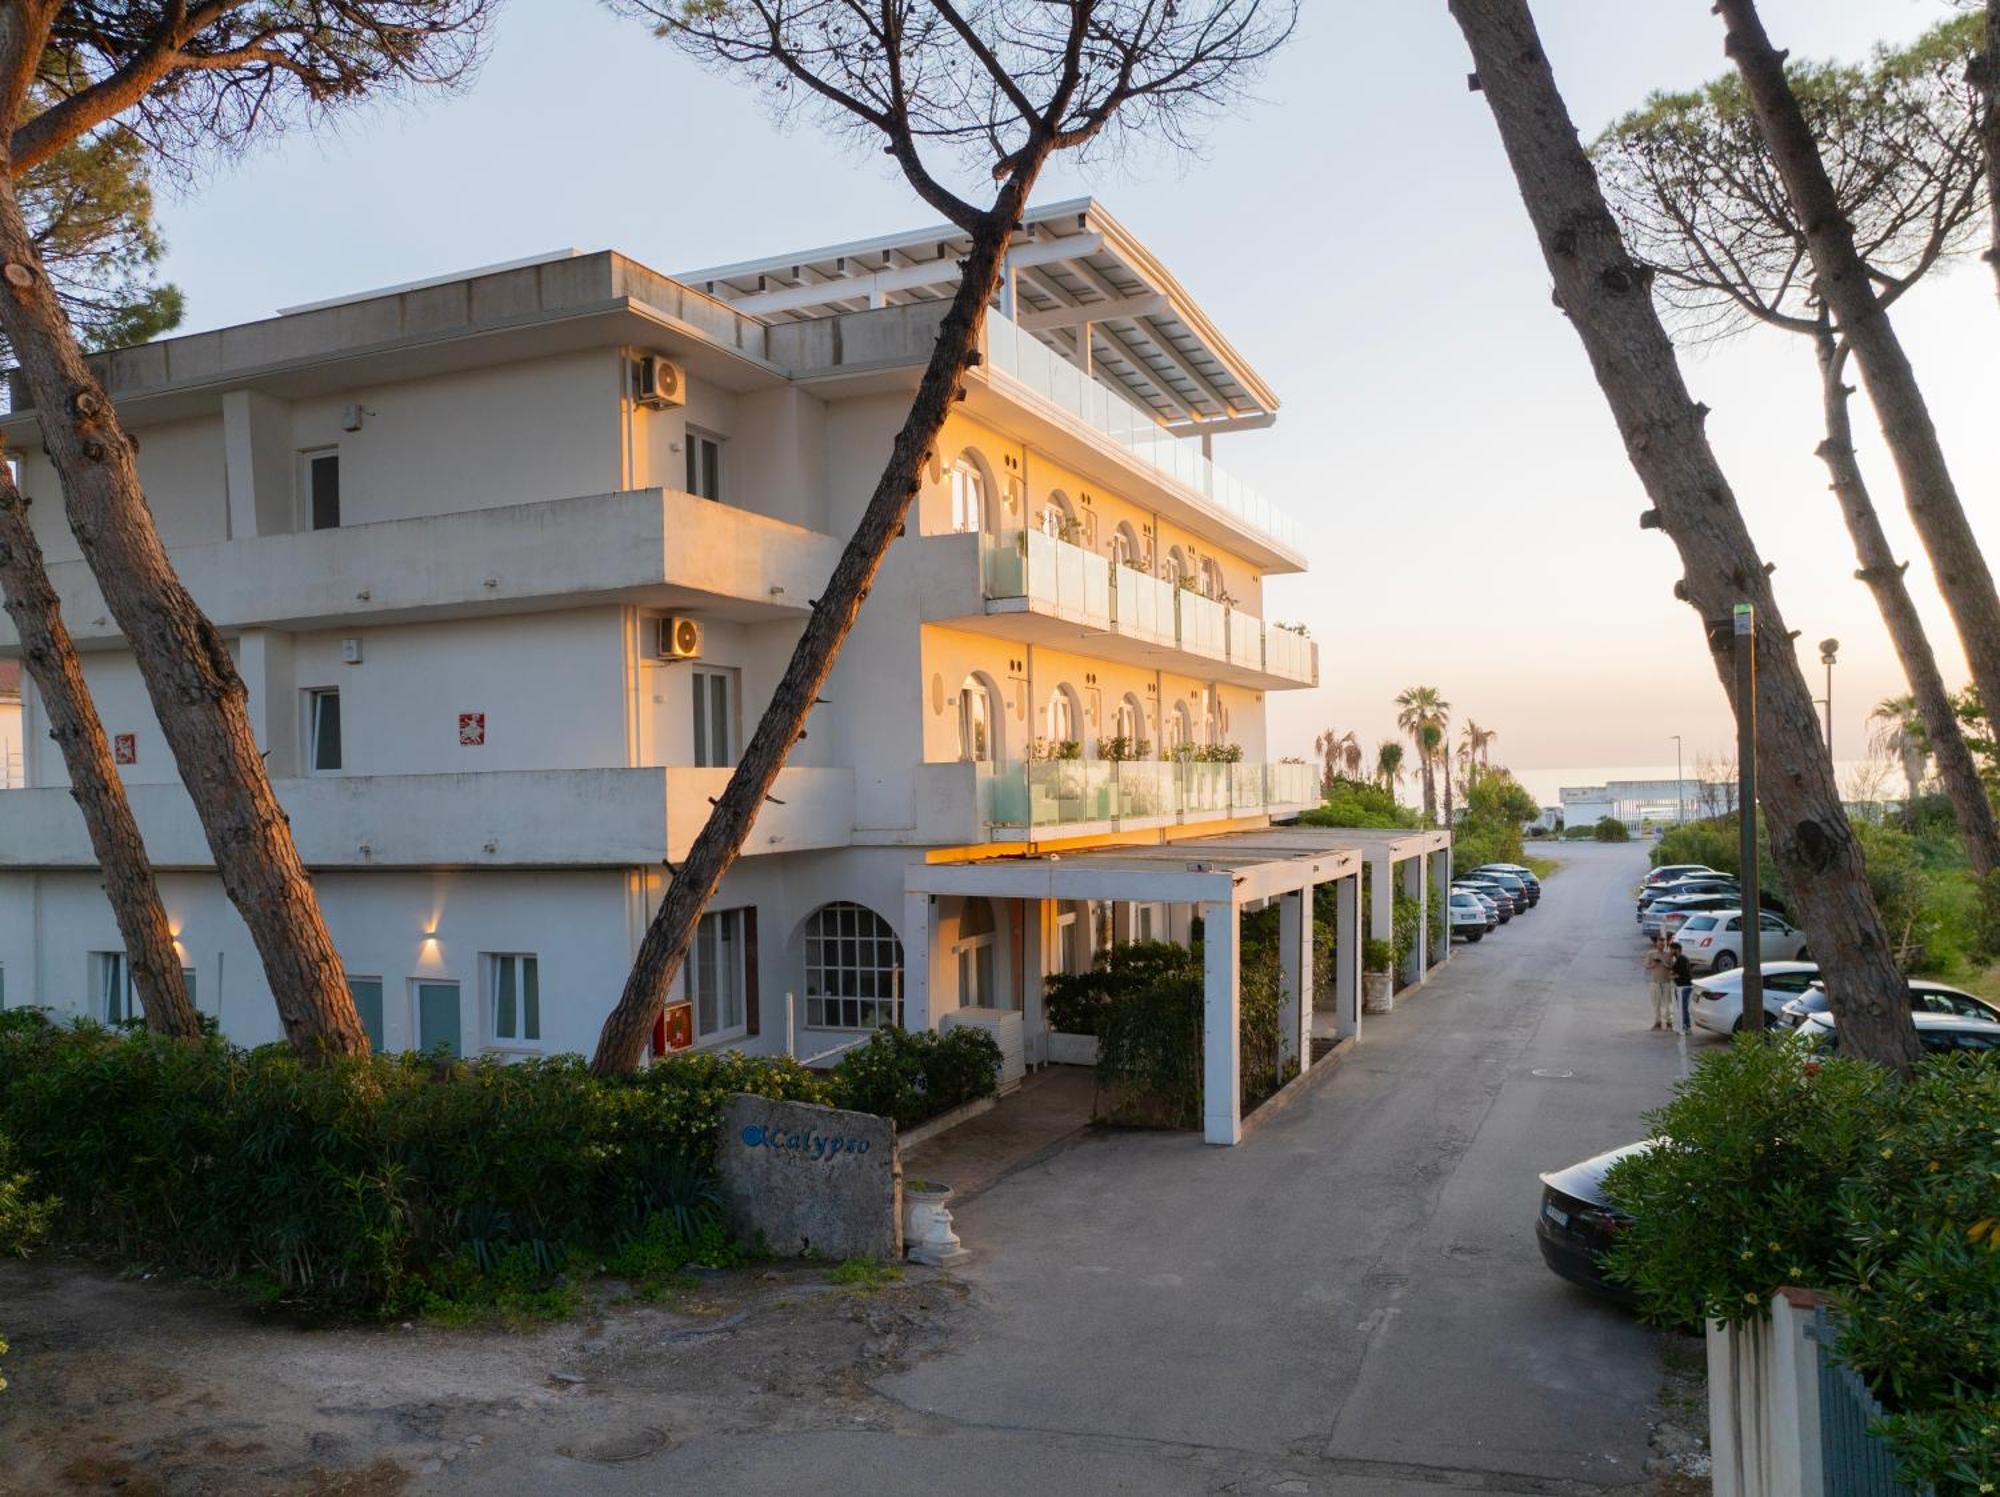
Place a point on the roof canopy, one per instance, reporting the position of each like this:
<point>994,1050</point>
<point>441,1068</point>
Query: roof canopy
<point>1078,275</point>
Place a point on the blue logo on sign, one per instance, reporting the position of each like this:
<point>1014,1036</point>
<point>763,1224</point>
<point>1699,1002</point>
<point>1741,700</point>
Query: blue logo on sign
<point>816,1145</point>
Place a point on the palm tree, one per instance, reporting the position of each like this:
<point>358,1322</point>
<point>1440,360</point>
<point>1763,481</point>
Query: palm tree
<point>1339,753</point>
<point>1478,743</point>
<point>1389,764</point>
<point>1899,733</point>
<point>1423,708</point>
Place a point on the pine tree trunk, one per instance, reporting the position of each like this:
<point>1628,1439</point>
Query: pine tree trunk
<point>191,679</point>
<point>1987,76</point>
<point>1607,298</point>
<point>622,1043</point>
<point>1841,279</point>
<point>1884,576</point>
<point>93,775</point>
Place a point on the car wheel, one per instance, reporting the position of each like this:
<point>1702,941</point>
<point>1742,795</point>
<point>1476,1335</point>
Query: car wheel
<point>1737,1027</point>
<point>1724,961</point>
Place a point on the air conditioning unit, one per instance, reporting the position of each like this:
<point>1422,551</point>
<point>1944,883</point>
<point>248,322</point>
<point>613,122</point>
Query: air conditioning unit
<point>658,381</point>
<point>679,638</point>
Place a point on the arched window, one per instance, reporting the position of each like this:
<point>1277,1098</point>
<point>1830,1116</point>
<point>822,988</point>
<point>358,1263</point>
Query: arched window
<point>1178,728</point>
<point>1211,579</point>
<point>1129,721</point>
<point>1065,716</point>
<point>1125,550</point>
<point>978,722</point>
<point>968,493</point>
<point>1215,721</point>
<point>1175,566</point>
<point>1056,518</point>
<point>975,948</point>
<point>854,969</point>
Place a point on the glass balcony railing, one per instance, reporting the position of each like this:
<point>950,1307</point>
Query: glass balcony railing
<point>1055,576</point>
<point>1142,606</point>
<point>1026,359</point>
<point>1085,792</point>
<point>1246,640</point>
<point>1204,625</point>
<point>1288,653</point>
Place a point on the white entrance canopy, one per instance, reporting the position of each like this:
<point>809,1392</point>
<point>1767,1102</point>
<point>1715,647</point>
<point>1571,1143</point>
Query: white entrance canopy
<point>1076,279</point>
<point>1221,876</point>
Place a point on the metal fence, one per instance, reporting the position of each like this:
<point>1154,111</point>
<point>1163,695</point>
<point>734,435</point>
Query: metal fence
<point>1856,1463</point>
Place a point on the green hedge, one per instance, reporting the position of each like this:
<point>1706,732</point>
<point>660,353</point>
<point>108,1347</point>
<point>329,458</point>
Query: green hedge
<point>379,1184</point>
<point>1772,1168</point>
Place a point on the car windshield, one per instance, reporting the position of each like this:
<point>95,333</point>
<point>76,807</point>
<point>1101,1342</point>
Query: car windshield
<point>1700,922</point>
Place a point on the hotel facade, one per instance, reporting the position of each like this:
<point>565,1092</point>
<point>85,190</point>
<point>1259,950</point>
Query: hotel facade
<point>510,563</point>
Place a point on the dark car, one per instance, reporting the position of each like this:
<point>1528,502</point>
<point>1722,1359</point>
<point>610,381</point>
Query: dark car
<point>1514,870</point>
<point>1652,895</point>
<point>1514,886</point>
<point>1577,1222</point>
<point>1664,916</point>
<point>1926,997</point>
<point>1509,905</point>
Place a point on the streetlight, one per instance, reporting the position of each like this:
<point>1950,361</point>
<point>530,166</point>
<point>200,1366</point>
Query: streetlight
<point>1828,648</point>
<point>1680,784</point>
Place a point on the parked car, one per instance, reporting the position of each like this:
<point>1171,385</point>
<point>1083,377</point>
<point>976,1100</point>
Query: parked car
<point>1713,941</point>
<point>1666,873</point>
<point>1926,997</point>
<point>1514,870</point>
<point>1577,1223</point>
<point>1486,905</point>
<point>1684,886</point>
<point>1936,1033</point>
<point>1468,917</point>
<point>1499,896</point>
<point>1660,912</point>
<point>1514,886</point>
<point>1718,1000</point>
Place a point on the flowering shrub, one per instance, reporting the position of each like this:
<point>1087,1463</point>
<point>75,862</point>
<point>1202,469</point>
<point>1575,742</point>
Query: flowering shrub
<point>913,1077</point>
<point>1770,1168</point>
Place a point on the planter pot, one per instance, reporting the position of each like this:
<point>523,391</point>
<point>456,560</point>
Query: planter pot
<point>1072,1049</point>
<point>927,1233</point>
<point>1378,993</point>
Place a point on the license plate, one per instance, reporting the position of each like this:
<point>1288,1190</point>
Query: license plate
<point>1556,1215</point>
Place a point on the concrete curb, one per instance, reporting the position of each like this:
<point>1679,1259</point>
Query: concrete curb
<point>945,1121</point>
<point>1285,1096</point>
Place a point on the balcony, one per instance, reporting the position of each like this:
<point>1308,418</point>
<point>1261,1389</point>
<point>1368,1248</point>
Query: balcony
<point>1027,585</point>
<point>968,803</point>
<point>1096,417</point>
<point>573,818</point>
<point>655,546</point>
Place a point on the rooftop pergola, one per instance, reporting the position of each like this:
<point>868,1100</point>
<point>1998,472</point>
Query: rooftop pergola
<point>1076,278</point>
<point>1221,876</point>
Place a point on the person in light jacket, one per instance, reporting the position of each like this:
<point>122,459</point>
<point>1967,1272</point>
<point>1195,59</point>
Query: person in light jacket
<point>1659,981</point>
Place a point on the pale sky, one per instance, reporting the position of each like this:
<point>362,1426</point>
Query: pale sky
<point>1470,516</point>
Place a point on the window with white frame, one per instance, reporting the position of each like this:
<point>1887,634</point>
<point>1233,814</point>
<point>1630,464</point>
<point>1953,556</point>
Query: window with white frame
<point>714,717</point>
<point>1062,716</point>
<point>704,465</point>
<point>319,489</point>
<point>976,953</point>
<point>367,995</point>
<point>854,969</point>
<point>717,978</point>
<point>975,722</point>
<point>968,496</point>
<point>513,999</point>
<point>323,747</point>
<point>112,999</point>
<point>1071,934</point>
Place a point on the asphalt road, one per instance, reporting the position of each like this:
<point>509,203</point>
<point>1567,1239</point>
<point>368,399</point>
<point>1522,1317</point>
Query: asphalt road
<point>1351,1302</point>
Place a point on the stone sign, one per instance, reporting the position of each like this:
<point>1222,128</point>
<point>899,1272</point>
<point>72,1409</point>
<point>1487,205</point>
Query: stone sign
<point>811,1179</point>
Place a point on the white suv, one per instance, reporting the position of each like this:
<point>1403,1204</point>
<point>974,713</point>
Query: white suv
<point>1712,940</point>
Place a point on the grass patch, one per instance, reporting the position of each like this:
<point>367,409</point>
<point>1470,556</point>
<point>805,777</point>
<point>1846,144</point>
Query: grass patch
<point>1542,868</point>
<point>864,1273</point>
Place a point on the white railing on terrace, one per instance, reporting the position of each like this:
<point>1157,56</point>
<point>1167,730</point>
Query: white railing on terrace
<point>1081,792</point>
<point>1068,581</point>
<point>1024,357</point>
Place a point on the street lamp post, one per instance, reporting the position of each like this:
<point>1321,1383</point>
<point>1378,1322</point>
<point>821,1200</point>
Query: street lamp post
<point>1828,648</point>
<point>1680,785</point>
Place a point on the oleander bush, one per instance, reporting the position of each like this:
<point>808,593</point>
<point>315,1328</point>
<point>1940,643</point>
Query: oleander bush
<point>913,1077</point>
<point>1611,829</point>
<point>377,1185</point>
<point>1774,1168</point>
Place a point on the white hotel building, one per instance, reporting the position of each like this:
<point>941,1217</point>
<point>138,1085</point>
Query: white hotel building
<point>511,561</point>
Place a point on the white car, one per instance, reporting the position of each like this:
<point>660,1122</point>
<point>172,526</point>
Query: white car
<point>1718,1000</point>
<point>1712,940</point>
<point>1468,917</point>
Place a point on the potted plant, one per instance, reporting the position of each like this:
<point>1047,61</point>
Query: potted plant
<point>1378,978</point>
<point>927,1229</point>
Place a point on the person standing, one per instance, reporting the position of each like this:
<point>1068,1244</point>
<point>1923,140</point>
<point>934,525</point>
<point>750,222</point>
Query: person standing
<point>1659,982</point>
<point>1683,986</point>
